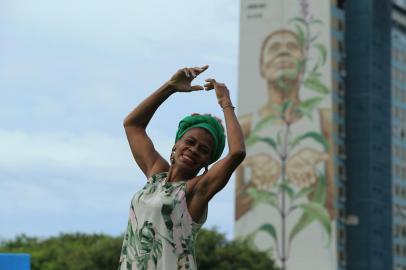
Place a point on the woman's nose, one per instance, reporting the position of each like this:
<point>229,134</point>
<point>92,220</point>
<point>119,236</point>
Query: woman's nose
<point>194,150</point>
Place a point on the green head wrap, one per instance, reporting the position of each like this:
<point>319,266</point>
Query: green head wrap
<point>209,123</point>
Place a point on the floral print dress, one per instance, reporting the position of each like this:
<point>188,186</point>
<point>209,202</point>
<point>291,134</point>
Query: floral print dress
<point>160,232</point>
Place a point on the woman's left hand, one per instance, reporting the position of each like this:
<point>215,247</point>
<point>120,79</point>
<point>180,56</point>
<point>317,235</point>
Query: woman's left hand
<point>222,93</point>
<point>182,79</point>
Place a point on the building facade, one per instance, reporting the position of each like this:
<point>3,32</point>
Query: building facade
<point>291,188</point>
<point>398,101</point>
<point>369,241</point>
<point>322,104</point>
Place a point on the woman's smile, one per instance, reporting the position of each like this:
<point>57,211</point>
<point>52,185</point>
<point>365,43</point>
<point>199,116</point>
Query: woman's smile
<point>188,158</point>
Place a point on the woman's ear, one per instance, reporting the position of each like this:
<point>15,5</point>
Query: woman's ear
<point>172,158</point>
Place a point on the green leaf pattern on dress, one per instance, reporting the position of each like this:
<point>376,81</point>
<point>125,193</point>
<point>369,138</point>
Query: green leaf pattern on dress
<point>173,232</point>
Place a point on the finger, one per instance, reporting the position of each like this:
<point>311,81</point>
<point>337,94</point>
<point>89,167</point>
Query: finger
<point>202,69</point>
<point>185,70</point>
<point>208,86</point>
<point>213,81</point>
<point>197,87</point>
<point>198,70</point>
<point>192,72</point>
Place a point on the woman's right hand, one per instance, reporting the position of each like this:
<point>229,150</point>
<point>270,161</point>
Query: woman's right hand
<point>182,79</point>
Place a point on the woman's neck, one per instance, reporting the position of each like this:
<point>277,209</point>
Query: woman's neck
<point>175,174</point>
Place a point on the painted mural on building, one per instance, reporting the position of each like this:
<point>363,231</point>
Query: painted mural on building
<point>285,193</point>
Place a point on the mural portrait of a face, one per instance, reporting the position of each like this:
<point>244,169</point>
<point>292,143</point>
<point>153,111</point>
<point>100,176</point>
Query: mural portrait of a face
<point>280,53</point>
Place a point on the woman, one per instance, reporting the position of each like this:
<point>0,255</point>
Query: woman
<point>167,213</point>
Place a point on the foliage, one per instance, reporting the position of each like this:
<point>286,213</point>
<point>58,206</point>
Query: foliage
<point>81,251</point>
<point>214,251</point>
<point>68,251</point>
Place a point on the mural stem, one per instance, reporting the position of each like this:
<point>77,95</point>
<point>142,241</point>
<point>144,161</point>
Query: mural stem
<point>284,210</point>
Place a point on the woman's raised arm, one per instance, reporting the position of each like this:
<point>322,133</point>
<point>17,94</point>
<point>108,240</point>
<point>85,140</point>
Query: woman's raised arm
<point>142,147</point>
<point>219,174</point>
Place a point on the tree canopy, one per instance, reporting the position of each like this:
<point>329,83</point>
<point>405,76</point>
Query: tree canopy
<point>79,251</point>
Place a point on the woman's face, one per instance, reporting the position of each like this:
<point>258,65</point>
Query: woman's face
<point>194,149</point>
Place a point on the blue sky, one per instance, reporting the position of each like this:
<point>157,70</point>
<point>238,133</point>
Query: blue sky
<point>70,71</point>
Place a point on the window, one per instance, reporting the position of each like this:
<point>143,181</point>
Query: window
<point>341,172</point>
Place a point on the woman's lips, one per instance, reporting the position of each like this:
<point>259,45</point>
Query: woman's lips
<point>188,158</point>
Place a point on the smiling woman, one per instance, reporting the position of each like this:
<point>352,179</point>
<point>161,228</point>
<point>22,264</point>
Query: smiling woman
<point>167,213</point>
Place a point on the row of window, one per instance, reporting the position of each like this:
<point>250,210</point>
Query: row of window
<point>337,23</point>
<point>342,217</point>
<point>399,210</point>
<point>399,170</point>
<point>399,230</point>
<point>398,74</point>
<point>342,172</point>
<point>398,55</point>
<point>400,191</point>
<point>400,250</point>
<point>399,113</point>
<point>399,152</point>
<point>339,108</point>
<point>400,267</point>
<point>399,131</point>
<point>338,45</point>
<point>339,87</point>
<point>342,258</point>
<point>398,93</point>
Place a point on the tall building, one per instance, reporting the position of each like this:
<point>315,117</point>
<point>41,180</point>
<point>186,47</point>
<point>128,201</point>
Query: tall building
<point>369,241</point>
<point>320,187</point>
<point>291,188</point>
<point>398,101</point>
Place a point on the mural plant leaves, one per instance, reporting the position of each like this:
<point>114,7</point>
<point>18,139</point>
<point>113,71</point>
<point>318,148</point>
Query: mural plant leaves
<point>315,84</point>
<point>251,140</point>
<point>316,136</point>
<point>260,196</point>
<point>307,106</point>
<point>291,73</point>
<point>320,193</point>
<point>303,192</point>
<point>300,65</point>
<point>318,198</point>
<point>300,35</point>
<point>315,21</point>
<point>311,212</point>
<point>263,123</point>
<point>323,52</point>
<point>302,223</point>
<point>279,137</point>
<point>297,19</point>
<point>319,213</point>
<point>285,187</point>
<point>286,104</point>
<point>270,141</point>
<point>269,229</point>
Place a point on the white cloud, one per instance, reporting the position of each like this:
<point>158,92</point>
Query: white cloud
<point>88,64</point>
<point>62,150</point>
<point>68,151</point>
<point>132,27</point>
<point>62,177</point>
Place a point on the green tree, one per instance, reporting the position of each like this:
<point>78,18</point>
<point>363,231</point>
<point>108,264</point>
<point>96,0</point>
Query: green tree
<point>68,251</point>
<point>214,251</point>
<point>80,251</point>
